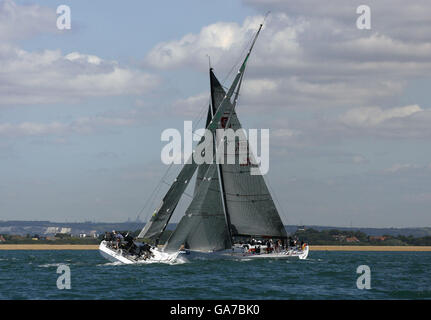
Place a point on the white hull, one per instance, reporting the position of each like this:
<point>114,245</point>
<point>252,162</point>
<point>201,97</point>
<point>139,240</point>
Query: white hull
<point>114,255</point>
<point>233,254</point>
<point>170,257</point>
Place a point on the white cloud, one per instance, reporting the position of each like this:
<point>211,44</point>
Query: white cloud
<point>306,56</point>
<point>379,47</point>
<point>284,133</point>
<point>83,125</point>
<point>399,20</point>
<point>407,122</point>
<point>49,76</point>
<point>192,49</point>
<point>373,116</point>
<point>46,76</point>
<point>297,92</point>
<point>192,106</point>
<point>358,159</point>
<point>259,87</point>
<point>398,167</point>
<point>86,58</point>
<point>31,129</point>
<point>21,21</point>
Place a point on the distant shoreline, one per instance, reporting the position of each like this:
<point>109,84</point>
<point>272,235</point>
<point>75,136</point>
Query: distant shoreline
<point>370,248</point>
<point>312,248</point>
<point>49,246</point>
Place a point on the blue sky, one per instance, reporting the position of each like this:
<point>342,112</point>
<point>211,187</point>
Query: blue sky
<point>82,110</point>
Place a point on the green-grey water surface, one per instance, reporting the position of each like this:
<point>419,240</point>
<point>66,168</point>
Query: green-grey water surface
<point>324,275</point>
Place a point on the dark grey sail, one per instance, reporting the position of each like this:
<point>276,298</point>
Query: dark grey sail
<point>249,204</point>
<point>202,169</point>
<point>203,227</point>
<point>160,218</point>
<point>162,215</point>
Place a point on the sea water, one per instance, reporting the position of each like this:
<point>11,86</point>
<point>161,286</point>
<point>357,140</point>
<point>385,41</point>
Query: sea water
<point>324,275</point>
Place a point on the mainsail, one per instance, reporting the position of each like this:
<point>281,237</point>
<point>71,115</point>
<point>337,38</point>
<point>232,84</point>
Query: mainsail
<point>250,207</point>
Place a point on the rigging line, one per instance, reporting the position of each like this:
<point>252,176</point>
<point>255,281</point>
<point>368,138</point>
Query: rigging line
<point>203,113</point>
<point>266,16</point>
<point>150,200</point>
<point>209,61</point>
<point>198,118</point>
<point>244,49</point>
<point>162,180</point>
<point>276,199</point>
<point>246,46</point>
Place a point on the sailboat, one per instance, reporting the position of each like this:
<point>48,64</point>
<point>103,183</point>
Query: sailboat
<point>232,213</point>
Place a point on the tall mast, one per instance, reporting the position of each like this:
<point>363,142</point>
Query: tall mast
<point>162,215</point>
<point>213,110</point>
<point>219,171</point>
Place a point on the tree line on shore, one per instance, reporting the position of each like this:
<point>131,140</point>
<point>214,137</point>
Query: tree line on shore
<point>310,236</point>
<point>341,237</point>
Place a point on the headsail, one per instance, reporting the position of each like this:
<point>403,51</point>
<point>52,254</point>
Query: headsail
<point>203,227</point>
<point>162,215</point>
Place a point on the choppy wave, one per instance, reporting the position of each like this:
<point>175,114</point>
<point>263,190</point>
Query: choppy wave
<point>117,263</point>
<point>178,260</point>
<point>49,265</point>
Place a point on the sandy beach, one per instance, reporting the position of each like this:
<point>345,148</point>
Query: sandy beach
<point>312,248</point>
<point>48,247</point>
<point>370,248</point>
